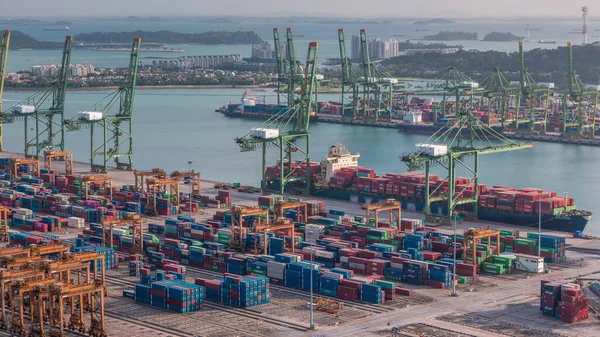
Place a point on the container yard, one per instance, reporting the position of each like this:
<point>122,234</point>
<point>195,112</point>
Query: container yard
<point>390,276</point>
<point>130,252</point>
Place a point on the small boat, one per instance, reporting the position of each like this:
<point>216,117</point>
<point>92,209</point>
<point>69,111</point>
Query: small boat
<point>546,41</point>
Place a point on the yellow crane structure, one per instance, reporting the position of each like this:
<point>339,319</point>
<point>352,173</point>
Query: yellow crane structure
<point>140,177</point>
<point>163,186</point>
<point>391,206</point>
<point>472,237</point>
<point>34,166</point>
<point>281,225</point>
<point>39,293</point>
<point>301,207</point>
<point>88,180</point>
<point>194,176</point>
<point>66,156</point>
<point>4,223</point>
<point>238,215</point>
<point>137,231</point>
<point>4,44</point>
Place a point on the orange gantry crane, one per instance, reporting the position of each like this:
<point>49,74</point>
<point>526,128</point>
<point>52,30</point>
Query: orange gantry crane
<point>137,231</point>
<point>156,187</point>
<point>65,156</point>
<point>472,237</point>
<point>88,180</point>
<point>300,207</point>
<point>194,176</point>
<point>32,163</point>
<point>238,215</point>
<point>283,226</point>
<point>75,295</point>
<point>392,206</point>
<point>140,177</point>
<point>4,223</point>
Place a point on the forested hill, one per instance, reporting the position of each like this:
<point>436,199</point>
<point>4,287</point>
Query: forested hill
<point>163,36</point>
<point>544,65</point>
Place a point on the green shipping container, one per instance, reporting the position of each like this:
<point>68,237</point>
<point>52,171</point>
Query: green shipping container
<point>385,284</point>
<point>525,242</point>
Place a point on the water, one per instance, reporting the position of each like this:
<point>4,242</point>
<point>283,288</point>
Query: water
<point>174,126</point>
<point>325,34</point>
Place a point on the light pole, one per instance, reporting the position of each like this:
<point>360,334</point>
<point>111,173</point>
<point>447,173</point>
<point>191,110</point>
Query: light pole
<point>454,262</point>
<point>312,322</point>
<point>539,250</point>
<point>191,186</point>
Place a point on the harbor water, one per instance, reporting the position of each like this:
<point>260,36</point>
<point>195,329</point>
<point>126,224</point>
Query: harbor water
<point>174,126</point>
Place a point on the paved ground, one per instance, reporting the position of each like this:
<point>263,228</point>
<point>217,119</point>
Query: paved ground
<point>496,306</point>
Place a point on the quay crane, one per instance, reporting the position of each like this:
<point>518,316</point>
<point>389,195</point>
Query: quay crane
<point>115,128</point>
<point>448,149</point>
<point>499,94</point>
<point>284,130</point>
<point>349,79</point>
<point>48,132</point>
<point>580,104</point>
<point>4,44</point>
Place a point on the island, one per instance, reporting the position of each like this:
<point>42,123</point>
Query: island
<point>215,20</point>
<point>432,21</point>
<point>451,36</point>
<point>420,45</point>
<point>20,40</point>
<point>501,37</point>
<point>163,36</point>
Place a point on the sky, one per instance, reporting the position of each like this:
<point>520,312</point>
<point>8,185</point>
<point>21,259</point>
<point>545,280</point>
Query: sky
<point>356,8</point>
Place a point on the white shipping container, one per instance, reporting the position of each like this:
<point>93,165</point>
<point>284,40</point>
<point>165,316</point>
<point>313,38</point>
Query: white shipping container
<point>264,133</point>
<point>528,263</point>
<point>343,259</point>
<point>593,87</point>
<point>362,279</point>
<point>24,109</point>
<point>182,246</point>
<point>546,85</point>
<point>432,150</point>
<point>90,115</point>
<point>396,265</point>
<point>331,275</point>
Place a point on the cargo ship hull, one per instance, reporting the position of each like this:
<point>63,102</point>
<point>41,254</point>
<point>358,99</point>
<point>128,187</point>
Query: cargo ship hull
<point>570,223</point>
<point>256,115</point>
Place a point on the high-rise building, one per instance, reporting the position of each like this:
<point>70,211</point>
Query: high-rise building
<point>378,48</point>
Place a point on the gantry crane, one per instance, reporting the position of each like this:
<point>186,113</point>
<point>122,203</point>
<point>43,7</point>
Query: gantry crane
<point>86,181</point>
<point>75,295</point>
<point>280,225</point>
<point>156,187</point>
<point>4,45</point>
<point>391,206</point>
<point>194,179</point>
<point>580,105</point>
<point>500,96</point>
<point>279,59</point>
<point>534,98</point>
<point>238,215</point>
<point>447,149</point>
<point>301,208</point>
<point>137,231</point>
<point>349,87</point>
<point>115,128</point>
<point>32,163</point>
<point>48,132</point>
<point>140,177</point>
<point>18,291</point>
<point>4,223</point>
<point>65,156</point>
<point>472,237</point>
<point>287,136</point>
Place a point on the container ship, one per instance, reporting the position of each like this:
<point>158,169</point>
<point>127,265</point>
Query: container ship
<point>253,108</point>
<point>340,177</point>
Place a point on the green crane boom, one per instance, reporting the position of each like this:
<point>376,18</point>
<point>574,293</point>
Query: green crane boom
<point>4,44</point>
<point>117,129</point>
<point>285,131</point>
<point>449,148</point>
<point>48,132</point>
<point>280,64</point>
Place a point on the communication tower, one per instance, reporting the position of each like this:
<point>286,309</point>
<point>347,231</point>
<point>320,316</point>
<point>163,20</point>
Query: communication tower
<point>584,30</point>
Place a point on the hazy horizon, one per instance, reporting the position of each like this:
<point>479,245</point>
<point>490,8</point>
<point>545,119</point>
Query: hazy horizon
<point>333,8</point>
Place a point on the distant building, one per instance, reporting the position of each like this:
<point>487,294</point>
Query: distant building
<point>201,61</point>
<point>262,51</point>
<point>77,70</point>
<point>378,48</point>
<point>444,51</point>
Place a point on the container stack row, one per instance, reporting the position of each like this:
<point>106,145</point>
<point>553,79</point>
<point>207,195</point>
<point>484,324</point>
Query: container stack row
<point>563,300</point>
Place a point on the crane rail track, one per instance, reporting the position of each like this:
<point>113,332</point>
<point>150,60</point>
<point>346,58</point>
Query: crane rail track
<point>238,311</point>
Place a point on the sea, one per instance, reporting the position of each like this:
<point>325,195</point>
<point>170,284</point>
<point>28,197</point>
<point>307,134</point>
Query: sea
<point>174,126</point>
